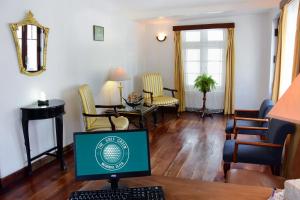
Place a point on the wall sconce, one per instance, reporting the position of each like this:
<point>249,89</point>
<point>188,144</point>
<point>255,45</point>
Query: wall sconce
<point>161,36</point>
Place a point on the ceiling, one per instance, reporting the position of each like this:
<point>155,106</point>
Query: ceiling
<point>189,9</point>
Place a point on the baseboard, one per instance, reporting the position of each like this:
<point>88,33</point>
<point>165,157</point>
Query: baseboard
<point>22,173</point>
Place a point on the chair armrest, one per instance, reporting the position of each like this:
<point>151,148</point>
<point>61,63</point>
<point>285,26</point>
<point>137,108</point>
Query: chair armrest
<point>251,119</point>
<point>246,113</point>
<point>100,115</point>
<point>258,144</point>
<point>151,95</point>
<point>171,90</point>
<point>109,115</point>
<point>251,128</point>
<point>110,106</point>
<point>237,128</point>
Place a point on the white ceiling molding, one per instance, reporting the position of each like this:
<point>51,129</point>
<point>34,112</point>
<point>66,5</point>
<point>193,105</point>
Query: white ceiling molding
<point>188,9</point>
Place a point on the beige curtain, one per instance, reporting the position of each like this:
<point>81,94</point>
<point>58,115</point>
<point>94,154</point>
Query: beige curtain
<point>230,68</point>
<point>296,66</point>
<point>179,73</point>
<point>280,49</point>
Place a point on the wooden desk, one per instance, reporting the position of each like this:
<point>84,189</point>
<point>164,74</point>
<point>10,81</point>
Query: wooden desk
<point>55,109</point>
<point>184,189</point>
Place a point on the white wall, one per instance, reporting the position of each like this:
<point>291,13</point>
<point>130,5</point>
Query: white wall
<point>253,52</point>
<point>73,59</point>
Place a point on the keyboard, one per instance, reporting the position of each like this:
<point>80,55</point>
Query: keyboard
<point>139,193</point>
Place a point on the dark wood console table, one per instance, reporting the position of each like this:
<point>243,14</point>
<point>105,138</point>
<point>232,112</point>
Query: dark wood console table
<point>55,109</point>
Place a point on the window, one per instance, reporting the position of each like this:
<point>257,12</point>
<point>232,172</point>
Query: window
<point>204,52</point>
<point>288,47</point>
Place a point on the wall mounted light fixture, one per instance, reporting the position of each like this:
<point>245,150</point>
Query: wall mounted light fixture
<point>161,36</point>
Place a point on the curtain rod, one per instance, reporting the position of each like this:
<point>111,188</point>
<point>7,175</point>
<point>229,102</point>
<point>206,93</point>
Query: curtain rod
<point>203,26</point>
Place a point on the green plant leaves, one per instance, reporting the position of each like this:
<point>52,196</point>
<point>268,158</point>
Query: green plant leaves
<point>205,83</point>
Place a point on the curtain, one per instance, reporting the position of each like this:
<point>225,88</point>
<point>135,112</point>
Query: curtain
<point>281,56</point>
<point>296,64</point>
<point>179,73</point>
<point>230,68</point>
<point>276,81</point>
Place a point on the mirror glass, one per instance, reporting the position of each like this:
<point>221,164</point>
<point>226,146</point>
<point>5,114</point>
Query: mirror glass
<point>31,40</point>
<point>31,44</point>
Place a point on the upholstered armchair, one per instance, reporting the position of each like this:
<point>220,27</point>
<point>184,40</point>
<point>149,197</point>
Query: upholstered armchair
<point>250,122</point>
<point>154,92</point>
<point>265,152</point>
<point>94,121</point>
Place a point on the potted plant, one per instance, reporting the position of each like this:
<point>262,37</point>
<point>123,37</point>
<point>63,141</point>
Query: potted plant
<point>204,83</point>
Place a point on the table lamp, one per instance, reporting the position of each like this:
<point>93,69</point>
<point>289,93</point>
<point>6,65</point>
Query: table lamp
<point>119,74</point>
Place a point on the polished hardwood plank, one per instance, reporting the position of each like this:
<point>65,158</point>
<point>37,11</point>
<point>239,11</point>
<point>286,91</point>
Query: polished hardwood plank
<point>187,147</point>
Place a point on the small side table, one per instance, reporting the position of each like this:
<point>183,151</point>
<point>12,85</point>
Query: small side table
<point>55,109</point>
<point>140,112</point>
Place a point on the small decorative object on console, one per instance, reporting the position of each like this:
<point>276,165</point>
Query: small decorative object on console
<point>134,99</point>
<point>42,101</point>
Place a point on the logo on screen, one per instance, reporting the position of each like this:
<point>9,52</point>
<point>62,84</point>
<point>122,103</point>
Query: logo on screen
<point>112,153</point>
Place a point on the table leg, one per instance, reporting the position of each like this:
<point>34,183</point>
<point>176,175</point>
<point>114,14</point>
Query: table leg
<point>59,140</point>
<point>141,121</point>
<point>27,144</point>
<point>154,115</point>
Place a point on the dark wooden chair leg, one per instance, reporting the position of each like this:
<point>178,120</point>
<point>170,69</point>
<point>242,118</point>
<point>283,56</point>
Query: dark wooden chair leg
<point>177,110</point>
<point>226,168</point>
<point>275,170</point>
<point>228,136</point>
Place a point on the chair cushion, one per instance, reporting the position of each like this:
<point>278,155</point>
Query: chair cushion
<point>265,108</point>
<point>278,131</point>
<point>229,127</point>
<point>250,177</point>
<point>252,154</point>
<point>152,82</point>
<point>103,124</point>
<point>88,104</point>
<point>162,101</point>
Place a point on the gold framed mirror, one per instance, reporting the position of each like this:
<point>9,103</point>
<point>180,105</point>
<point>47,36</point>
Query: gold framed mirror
<point>31,39</point>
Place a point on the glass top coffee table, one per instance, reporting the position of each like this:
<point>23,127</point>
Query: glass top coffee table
<point>139,112</point>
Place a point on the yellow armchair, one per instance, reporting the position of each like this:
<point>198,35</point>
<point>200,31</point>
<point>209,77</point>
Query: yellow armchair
<point>94,121</point>
<point>153,92</point>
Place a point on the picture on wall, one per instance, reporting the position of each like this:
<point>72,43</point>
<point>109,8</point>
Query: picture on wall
<point>98,32</point>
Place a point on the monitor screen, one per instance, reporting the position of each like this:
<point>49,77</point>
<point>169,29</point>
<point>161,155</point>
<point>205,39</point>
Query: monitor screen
<point>98,155</point>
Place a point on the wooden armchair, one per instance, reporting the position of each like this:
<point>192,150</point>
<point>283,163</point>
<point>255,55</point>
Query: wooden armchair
<point>93,120</point>
<point>153,92</point>
<point>265,152</point>
<point>249,121</point>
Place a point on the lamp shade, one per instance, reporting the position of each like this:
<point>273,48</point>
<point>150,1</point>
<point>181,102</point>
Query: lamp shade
<point>288,106</point>
<point>118,74</point>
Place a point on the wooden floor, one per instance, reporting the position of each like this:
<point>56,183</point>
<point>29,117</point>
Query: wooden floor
<point>186,147</point>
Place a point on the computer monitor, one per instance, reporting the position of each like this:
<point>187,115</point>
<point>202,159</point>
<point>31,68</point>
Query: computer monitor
<point>111,155</point>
